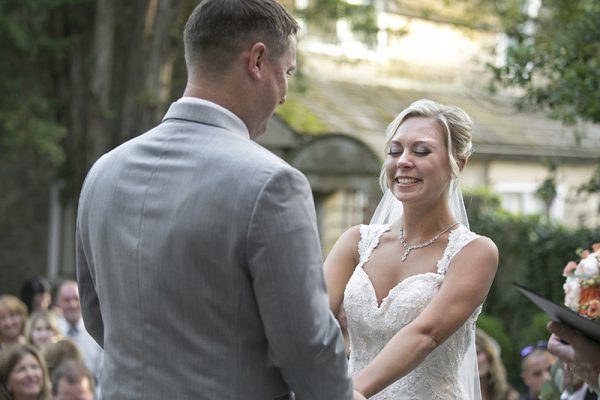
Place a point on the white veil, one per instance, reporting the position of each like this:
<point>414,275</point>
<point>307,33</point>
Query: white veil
<point>389,210</point>
<point>469,371</point>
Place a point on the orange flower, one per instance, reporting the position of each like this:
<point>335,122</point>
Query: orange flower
<point>589,294</point>
<point>593,309</point>
<point>582,283</point>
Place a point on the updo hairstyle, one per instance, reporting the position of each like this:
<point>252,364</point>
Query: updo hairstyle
<point>455,124</point>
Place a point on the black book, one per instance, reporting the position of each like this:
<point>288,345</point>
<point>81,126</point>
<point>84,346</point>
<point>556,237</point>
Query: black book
<point>561,313</point>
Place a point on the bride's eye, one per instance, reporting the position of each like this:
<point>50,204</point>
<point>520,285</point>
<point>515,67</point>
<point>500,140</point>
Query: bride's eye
<point>395,151</point>
<point>421,151</point>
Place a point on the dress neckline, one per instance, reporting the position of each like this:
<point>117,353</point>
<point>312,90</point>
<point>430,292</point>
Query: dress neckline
<point>379,304</point>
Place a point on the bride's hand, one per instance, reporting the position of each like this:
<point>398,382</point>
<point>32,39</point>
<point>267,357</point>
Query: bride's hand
<point>358,396</point>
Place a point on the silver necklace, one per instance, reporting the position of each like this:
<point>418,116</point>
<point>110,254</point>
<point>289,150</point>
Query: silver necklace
<point>409,247</point>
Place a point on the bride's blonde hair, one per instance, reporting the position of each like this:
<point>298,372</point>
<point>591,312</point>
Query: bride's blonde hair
<point>455,123</point>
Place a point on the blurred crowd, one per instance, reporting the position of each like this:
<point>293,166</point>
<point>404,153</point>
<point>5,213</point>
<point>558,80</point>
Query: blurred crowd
<point>45,351</point>
<point>536,370</point>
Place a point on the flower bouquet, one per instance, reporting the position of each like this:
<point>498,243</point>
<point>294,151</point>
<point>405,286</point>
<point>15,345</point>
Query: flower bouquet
<point>582,284</point>
<point>582,295</point>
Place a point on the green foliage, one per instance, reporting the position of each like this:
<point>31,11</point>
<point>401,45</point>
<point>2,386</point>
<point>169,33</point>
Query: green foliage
<point>301,119</point>
<point>481,199</point>
<point>593,185</point>
<point>323,15</point>
<point>494,327</point>
<point>533,252</point>
<point>28,126</point>
<point>553,388</point>
<point>547,190</point>
<point>557,68</point>
<point>536,329</point>
<point>29,105</point>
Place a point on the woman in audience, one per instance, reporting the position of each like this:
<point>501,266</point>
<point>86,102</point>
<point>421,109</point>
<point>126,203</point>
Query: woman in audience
<point>23,374</point>
<point>492,374</point>
<point>36,294</point>
<point>42,328</point>
<point>56,353</point>
<point>13,314</point>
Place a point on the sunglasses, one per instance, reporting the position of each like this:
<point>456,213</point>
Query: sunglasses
<point>527,350</point>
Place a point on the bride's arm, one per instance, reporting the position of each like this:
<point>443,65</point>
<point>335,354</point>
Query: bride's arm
<point>339,266</point>
<point>465,286</point>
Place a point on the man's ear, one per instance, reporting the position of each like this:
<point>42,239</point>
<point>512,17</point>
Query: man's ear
<point>256,60</point>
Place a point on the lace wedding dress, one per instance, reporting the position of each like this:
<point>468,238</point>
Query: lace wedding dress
<point>371,326</point>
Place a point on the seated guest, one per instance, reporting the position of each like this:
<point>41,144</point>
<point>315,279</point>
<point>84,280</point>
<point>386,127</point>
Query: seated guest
<point>60,351</point>
<point>36,294</point>
<point>71,325</point>
<point>536,363</point>
<point>72,380</point>
<point>13,314</point>
<point>23,374</point>
<point>492,373</point>
<point>42,328</point>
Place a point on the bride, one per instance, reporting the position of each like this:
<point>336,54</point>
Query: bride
<point>412,282</point>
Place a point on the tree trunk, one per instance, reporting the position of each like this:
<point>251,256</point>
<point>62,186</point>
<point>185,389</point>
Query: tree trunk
<point>107,70</point>
<point>120,86</point>
<point>99,108</point>
<point>148,67</point>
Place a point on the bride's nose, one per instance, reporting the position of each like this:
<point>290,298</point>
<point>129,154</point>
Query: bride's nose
<point>404,160</point>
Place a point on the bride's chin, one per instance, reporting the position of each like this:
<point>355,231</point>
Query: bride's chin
<point>403,195</point>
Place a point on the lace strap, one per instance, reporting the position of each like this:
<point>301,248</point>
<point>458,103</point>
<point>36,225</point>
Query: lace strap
<point>457,239</point>
<point>369,239</point>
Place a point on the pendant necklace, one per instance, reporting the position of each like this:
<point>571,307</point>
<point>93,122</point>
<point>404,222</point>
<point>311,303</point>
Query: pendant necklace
<point>409,247</point>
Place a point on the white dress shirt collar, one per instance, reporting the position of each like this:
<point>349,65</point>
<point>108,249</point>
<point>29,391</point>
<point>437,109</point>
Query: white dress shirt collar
<point>207,103</point>
<point>577,395</point>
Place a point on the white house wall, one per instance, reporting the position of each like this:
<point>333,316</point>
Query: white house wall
<point>509,178</point>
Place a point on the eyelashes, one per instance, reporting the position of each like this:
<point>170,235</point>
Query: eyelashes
<point>419,152</point>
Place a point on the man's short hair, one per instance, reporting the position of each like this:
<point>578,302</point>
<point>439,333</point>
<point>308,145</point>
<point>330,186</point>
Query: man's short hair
<point>73,372</point>
<point>218,30</point>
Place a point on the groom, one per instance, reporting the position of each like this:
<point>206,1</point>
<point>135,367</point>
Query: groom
<point>198,259</point>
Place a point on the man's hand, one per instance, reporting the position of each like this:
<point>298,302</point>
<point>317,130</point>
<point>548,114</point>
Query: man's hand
<point>580,353</point>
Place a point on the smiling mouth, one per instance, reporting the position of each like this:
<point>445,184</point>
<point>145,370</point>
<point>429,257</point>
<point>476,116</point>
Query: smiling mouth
<point>406,181</point>
<point>33,385</point>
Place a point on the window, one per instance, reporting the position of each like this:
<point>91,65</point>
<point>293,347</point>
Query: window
<point>521,198</point>
<point>339,211</point>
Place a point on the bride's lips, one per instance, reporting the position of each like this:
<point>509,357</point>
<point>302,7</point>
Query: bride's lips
<point>406,180</point>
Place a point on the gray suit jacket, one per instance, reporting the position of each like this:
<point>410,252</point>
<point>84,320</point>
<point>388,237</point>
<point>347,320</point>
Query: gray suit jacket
<point>200,269</point>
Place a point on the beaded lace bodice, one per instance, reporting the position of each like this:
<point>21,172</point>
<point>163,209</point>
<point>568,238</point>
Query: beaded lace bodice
<point>371,326</point>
